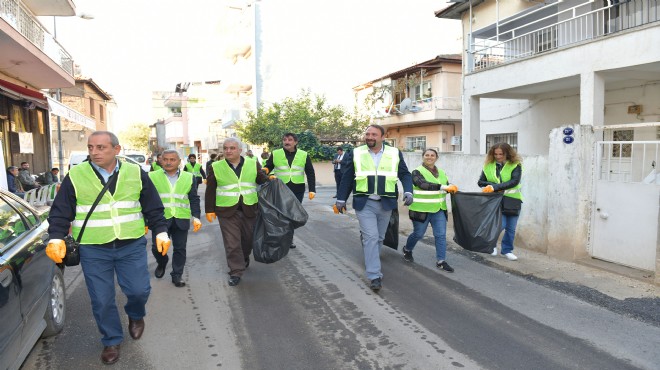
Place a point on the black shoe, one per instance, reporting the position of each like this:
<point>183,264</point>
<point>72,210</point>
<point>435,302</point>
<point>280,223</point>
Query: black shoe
<point>444,265</point>
<point>234,280</point>
<point>376,284</point>
<point>160,271</point>
<point>178,282</point>
<point>292,246</point>
<point>334,196</point>
<point>407,255</point>
<point>247,262</point>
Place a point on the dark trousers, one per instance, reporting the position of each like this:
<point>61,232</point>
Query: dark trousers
<point>237,238</point>
<point>337,180</point>
<point>129,263</point>
<point>179,240</point>
<point>299,196</point>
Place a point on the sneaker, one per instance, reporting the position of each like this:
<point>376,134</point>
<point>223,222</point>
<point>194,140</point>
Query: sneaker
<point>376,284</point>
<point>444,265</point>
<point>407,255</point>
<point>511,257</point>
<point>494,253</point>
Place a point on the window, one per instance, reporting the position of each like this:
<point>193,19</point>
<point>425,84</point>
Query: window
<point>101,117</point>
<point>423,91</point>
<point>622,150</point>
<point>509,138</point>
<point>91,107</point>
<point>11,224</point>
<point>416,143</point>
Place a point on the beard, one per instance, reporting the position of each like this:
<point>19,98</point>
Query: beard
<point>371,143</point>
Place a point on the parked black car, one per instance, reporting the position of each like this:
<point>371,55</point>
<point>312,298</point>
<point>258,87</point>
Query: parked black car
<point>32,297</point>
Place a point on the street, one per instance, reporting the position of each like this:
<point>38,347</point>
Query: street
<point>313,309</point>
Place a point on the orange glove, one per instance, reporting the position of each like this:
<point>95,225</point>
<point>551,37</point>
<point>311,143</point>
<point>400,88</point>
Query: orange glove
<point>210,217</point>
<point>311,195</point>
<point>56,250</point>
<point>204,181</point>
<point>272,177</point>
<point>163,243</point>
<point>488,189</point>
<point>452,189</point>
<point>146,230</point>
<point>266,170</point>
<point>197,224</point>
<point>339,207</point>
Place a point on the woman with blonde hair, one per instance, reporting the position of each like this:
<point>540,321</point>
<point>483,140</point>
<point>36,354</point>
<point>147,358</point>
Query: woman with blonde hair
<point>501,173</point>
<point>430,188</point>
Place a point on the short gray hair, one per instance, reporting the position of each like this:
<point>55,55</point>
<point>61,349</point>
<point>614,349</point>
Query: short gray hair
<point>238,142</point>
<point>114,140</point>
<point>171,151</point>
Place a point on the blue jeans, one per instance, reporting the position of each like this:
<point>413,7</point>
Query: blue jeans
<point>373,221</point>
<point>509,226</point>
<point>99,265</point>
<point>438,223</point>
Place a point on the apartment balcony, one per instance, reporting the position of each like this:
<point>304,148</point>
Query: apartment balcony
<point>434,109</point>
<point>555,26</point>
<point>29,52</point>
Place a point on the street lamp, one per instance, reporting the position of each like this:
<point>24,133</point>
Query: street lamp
<point>58,95</point>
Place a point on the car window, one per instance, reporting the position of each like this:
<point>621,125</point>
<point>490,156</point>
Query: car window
<point>26,212</point>
<point>137,157</point>
<point>11,224</point>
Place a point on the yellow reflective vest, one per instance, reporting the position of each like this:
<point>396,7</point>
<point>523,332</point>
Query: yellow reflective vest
<point>175,199</point>
<point>230,187</point>
<point>490,170</point>
<point>294,173</point>
<point>430,201</point>
<point>196,169</point>
<point>118,215</point>
<point>371,180</point>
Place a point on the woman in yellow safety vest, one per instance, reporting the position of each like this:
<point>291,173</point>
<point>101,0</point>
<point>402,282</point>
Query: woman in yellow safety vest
<point>502,172</point>
<point>429,206</point>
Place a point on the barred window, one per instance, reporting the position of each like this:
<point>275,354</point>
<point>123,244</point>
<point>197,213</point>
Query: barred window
<point>622,150</point>
<point>509,138</point>
<point>416,143</point>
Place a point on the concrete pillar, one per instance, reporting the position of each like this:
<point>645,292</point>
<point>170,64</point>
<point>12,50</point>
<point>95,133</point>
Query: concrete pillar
<point>592,99</point>
<point>471,124</point>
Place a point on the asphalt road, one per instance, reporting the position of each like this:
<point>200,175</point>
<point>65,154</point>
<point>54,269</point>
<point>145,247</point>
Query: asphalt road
<point>313,309</point>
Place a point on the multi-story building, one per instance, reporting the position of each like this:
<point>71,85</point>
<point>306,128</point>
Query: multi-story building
<point>31,60</point>
<point>573,85</point>
<point>420,106</point>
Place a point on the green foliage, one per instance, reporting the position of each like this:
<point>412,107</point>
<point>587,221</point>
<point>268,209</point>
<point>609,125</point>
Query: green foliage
<point>135,137</point>
<point>309,117</point>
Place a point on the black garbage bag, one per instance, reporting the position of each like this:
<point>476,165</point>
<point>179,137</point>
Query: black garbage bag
<point>279,214</point>
<point>392,234</point>
<point>477,220</point>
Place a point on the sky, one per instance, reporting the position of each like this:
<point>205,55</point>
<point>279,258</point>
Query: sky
<point>131,48</point>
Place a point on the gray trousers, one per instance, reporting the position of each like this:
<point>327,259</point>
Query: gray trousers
<point>373,221</point>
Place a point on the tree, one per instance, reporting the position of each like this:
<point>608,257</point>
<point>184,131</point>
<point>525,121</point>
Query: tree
<point>135,137</point>
<point>303,115</point>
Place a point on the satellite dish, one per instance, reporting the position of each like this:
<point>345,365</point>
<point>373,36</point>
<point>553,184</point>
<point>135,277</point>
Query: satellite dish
<point>405,105</point>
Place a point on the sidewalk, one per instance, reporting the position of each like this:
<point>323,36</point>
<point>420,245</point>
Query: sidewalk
<point>599,282</point>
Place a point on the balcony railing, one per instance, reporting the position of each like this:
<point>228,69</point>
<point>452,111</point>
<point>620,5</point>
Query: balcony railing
<point>17,15</point>
<point>424,105</point>
<point>576,24</point>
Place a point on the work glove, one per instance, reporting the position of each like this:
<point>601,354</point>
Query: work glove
<point>311,195</point>
<point>56,250</point>
<point>407,199</point>
<point>266,170</point>
<point>452,189</point>
<point>210,217</point>
<point>204,181</point>
<point>146,230</point>
<point>488,189</point>
<point>163,243</point>
<point>339,207</point>
<point>272,177</point>
<point>197,224</point>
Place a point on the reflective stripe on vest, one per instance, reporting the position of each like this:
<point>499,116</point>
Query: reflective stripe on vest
<point>295,173</point>
<point>430,201</point>
<point>230,187</point>
<point>490,170</point>
<point>367,175</point>
<point>118,215</point>
<point>175,199</point>
<point>196,170</point>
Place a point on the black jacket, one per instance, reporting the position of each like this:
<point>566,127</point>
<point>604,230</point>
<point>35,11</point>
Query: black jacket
<point>309,172</point>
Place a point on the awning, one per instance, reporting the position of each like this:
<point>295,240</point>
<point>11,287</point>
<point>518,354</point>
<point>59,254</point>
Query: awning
<point>18,92</point>
<point>72,115</point>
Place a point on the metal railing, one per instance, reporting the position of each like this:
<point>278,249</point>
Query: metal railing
<point>17,15</point>
<point>628,161</point>
<point>578,23</point>
<point>424,105</point>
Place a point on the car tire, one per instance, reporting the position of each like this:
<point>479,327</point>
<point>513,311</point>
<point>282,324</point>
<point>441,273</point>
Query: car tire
<point>56,310</point>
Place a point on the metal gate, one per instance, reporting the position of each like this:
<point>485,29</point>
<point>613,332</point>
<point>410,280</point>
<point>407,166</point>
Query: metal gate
<point>626,202</point>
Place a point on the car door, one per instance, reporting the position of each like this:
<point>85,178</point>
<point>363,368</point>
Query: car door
<point>11,228</point>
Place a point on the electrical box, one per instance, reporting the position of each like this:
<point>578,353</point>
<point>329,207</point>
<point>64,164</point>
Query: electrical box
<point>634,109</point>
<point>455,140</point>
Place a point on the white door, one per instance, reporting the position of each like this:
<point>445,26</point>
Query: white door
<point>625,212</point>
